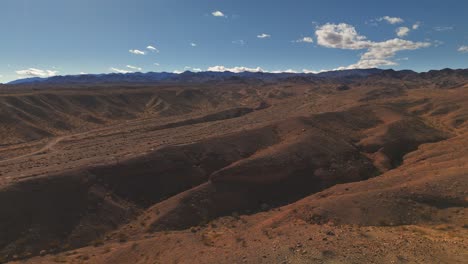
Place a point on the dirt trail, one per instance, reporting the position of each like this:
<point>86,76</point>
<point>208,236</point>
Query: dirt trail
<point>45,148</point>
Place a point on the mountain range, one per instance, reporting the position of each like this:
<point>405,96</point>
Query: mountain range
<point>140,77</point>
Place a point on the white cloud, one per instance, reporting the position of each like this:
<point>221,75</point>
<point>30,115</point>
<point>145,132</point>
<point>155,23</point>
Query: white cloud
<point>83,73</point>
<point>312,71</point>
<point>305,39</point>
<point>33,72</point>
<point>134,68</point>
<point>344,36</point>
<point>442,28</point>
<point>402,31</point>
<point>416,25</point>
<point>285,71</point>
<point>218,13</point>
<point>193,44</point>
<point>341,36</point>
<point>381,52</point>
<point>263,35</point>
<point>234,69</point>
<point>177,72</point>
<point>152,48</point>
<point>157,64</point>
<point>119,70</point>
<point>463,49</point>
<point>137,52</point>
<point>391,20</point>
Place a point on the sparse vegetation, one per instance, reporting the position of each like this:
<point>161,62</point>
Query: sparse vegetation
<point>303,170</point>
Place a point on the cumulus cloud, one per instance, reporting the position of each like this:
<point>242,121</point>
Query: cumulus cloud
<point>463,49</point>
<point>341,36</point>
<point>157,64</point>
<point>344,36</point>
<point>263,35</point>
<point>218,13</point>
<point>381,53</point>
<point>137,52</point>
<point>391,20</point>
<point>33,72</point>
<point>193,44</point>
<point>152,48</point>
<point>305,39</point>
<point>219,68</point>
<point>134,68</point>
<point>119,70</point>
<point>402,31</point>
<point>416,25</point>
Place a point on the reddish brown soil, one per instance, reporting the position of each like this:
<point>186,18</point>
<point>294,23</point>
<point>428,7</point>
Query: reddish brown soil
<point>294,172</point>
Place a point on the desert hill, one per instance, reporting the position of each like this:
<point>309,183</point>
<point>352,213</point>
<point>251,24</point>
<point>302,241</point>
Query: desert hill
<point>338,168</point>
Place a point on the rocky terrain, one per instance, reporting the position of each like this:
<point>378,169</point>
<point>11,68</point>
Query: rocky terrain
<point>353,167</point>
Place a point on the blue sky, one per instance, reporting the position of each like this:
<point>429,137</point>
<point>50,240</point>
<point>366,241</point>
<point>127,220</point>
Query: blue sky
<point>48,37</point>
